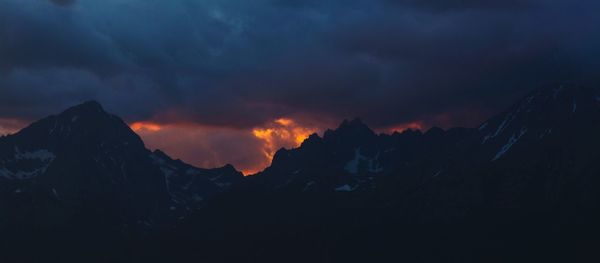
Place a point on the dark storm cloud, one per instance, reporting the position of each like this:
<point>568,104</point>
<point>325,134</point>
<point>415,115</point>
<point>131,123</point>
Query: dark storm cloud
<point>243,63</point>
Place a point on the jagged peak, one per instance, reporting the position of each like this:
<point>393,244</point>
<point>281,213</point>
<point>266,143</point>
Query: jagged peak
<point>355,123</point>
<point>229,168</point>
<point>435,131</point>
<point>350,128</point>
<point>407,132</point>
<point>280,155</point>
<point>312,139</point>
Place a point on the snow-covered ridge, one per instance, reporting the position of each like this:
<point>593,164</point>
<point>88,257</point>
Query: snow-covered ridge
<point>507,120</point>
<point>167,170</point>
<point>511,141</point>
<point>41,159</point>
<point>42,155</point>
<point>353,165</point>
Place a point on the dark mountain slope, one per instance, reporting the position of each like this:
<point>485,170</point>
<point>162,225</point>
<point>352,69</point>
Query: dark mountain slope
<point>524,182</point>
<point>83,178</point>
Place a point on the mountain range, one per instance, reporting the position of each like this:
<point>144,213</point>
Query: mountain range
<point>523,186</point>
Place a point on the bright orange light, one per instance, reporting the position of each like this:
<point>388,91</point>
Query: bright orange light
<point>145,126</point>
<point>267,136</point>
<point>301,135</point>
<point>193,143</point>
<point>250,172</point>
<point>284,122</point>
<point>282,132</point>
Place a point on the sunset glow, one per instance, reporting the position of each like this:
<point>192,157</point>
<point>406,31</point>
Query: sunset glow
<point>406,126</point>
<point>282,132</point>
<point>249,150</point>
<point>211,147</point>
<point>10,126</point>
<point>145,126</point>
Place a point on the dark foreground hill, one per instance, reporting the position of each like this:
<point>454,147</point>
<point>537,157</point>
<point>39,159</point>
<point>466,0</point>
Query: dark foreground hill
<point>524,186</point>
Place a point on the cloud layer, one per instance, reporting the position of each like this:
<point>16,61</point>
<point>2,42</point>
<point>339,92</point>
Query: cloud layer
<point>238,65</point>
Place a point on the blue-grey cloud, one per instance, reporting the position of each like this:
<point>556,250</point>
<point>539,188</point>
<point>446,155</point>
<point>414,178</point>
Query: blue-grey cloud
<point>63,2</point>
<point>242,63</point>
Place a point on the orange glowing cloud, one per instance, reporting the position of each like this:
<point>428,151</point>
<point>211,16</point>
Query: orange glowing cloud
<point>281,133</point>
<point>284,122</point>
<point>203,146</point>
<point>145,126</point>
<point>249,150</point>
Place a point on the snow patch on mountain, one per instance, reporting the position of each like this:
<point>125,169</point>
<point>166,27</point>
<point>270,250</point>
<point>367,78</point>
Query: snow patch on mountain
<point>345,188</point>
<point>55,193</point>
<point>197,198</point>
<point>507,120</point>
<point>308,186</point>
<point>511,141</point>
<point>42,155</point>
<point>352,166</point>
<point>530,99</point>
<point>220,184</point>
<point>483,126</point>
<point>41,158</point>
<point>166,169</point>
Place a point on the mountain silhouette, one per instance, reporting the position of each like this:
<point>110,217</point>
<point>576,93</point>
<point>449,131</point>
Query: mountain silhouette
<point>522,186</point>
<point>523,182</point>
<point>86,169</point>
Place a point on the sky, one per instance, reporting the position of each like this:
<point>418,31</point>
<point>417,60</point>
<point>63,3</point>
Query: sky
<point>230,81</point>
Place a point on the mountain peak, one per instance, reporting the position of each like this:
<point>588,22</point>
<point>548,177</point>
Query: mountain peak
<point>86,108</point>
<point>354,123</point>
<point>311,140</point>
<point>351,131</point>
<point>83,125</point>
<point>91,104</point>
<point>547,111</point>
<point>355,126</point>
